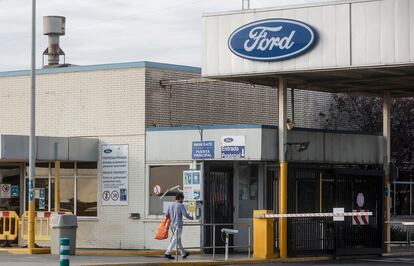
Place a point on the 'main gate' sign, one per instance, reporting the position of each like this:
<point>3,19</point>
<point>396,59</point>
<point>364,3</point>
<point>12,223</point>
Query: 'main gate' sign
<point>272,39</point>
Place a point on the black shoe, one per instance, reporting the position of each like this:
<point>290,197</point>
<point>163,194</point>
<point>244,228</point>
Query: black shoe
<point>169,256</point>
<point>186,255</point>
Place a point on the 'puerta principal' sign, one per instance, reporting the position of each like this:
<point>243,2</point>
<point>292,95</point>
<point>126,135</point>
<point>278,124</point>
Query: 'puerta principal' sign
<point>202,150</point>
<point>272,39</point>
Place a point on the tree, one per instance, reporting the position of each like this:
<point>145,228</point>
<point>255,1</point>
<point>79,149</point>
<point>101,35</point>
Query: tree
<point>362,113</point>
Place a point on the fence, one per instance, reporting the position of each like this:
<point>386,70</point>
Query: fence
<point>9,224</point>
<point>407,231</point>
<point>42,228</point>
<point>213,246</point>
<point>319,234</point>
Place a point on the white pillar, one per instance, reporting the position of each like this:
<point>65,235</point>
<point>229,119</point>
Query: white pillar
<point>282,127</point>
<point>387,157</point>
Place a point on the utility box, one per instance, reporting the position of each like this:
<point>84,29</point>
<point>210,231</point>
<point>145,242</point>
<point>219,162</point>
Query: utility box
<point>63,226</point>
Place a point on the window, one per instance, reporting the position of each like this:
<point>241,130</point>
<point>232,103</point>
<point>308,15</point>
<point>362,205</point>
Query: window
<point>66,194</point>
<point>10,175</point>
<point>78,187</point>
<point>165,177</point>
<point>403,198</point>
<point>41,187</point>
<point>86,189</point>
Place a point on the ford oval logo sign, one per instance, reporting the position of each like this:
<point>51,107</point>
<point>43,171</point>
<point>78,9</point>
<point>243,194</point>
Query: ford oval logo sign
<point>272,39</point>
<point>228,140</point>
<point>107,151</point>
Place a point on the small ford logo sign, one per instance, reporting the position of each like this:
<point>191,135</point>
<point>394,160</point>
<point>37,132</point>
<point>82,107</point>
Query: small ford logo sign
<point>272,39</point>
<point>228,140</point>
<point>107,151</point>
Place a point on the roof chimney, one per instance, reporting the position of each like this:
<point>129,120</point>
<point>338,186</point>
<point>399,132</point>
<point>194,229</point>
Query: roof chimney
<point>54,27</point>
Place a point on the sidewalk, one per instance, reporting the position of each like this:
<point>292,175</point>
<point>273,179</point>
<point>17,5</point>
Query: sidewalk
<point>118,260</point>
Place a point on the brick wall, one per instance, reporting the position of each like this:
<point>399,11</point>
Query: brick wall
<point>223,103</point>
<point>105,104</point>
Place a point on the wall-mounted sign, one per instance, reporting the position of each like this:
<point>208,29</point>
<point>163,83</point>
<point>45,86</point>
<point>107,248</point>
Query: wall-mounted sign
<point>114,169</point>
<point>272,39</point>
<point>203,150</point>
<point>5,191</point>
<point>15,191</point>
<point>157,190</point>
<point>192,181</point>
<point>233,147</point>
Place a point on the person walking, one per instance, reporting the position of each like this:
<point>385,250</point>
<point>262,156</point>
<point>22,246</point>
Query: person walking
<point>175,212</point>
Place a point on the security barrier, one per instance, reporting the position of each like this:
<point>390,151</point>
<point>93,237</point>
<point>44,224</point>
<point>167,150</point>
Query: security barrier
<point>42,228</point>
<point>308,232</point>
<point>9,224</point>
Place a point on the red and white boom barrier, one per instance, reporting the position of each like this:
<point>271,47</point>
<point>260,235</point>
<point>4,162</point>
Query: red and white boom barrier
<point>322,214</point>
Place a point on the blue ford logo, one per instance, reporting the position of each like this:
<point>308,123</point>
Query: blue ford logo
<point>272,39</point>
<point>228,140</point>
<point>107,151</point>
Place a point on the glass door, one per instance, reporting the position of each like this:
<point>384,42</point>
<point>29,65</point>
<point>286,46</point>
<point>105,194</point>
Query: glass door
<point>248,197</point>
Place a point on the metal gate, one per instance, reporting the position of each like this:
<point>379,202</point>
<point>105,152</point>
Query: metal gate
<point>218,191</point>
<point>320,189</point>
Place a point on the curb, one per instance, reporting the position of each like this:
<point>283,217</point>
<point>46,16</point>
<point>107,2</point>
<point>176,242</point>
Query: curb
<point>25,251</point>
<point>126,252</point>
<point>222,262</point>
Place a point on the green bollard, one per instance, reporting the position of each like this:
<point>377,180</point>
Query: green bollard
<point>64,252</point>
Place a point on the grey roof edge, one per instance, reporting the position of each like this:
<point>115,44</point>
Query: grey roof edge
<point>284,7</point>
<point>249,126</point>
<point>71,69</point>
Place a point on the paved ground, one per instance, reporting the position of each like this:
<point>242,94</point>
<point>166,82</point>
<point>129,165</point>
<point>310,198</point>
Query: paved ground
<point>46,260</point>
<point>7,259</point>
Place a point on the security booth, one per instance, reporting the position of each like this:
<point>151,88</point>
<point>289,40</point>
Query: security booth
<point>352,46</point>
<point>240,174</point>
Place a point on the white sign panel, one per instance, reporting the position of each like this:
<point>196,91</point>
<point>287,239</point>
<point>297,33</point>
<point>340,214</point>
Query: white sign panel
<point>338,218</point>
<point>5,191</point>
<point>233,147</point>
<point>114,169</point>
<point>192,181</point>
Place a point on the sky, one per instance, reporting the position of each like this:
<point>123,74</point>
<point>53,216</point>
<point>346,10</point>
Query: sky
<point>114,31</point>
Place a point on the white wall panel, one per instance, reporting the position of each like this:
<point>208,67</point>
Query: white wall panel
<point>411,8</point>
<point>402,30</point>
<point>387,32</point>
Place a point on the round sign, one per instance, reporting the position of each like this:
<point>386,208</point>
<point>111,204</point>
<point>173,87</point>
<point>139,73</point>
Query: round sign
<point>106,195</point>
<point>5,188</point>
<point>360,200</point>
<point>157,189</point>
<point>114,195</point>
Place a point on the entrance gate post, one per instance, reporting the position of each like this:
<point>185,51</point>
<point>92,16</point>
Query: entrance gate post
<point>282,131</point>
<point>387,156</point>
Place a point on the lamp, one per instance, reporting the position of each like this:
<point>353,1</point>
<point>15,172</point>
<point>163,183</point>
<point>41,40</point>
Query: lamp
<point>290,124</point>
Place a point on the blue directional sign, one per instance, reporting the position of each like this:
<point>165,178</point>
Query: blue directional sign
<point>203,150</point>
<point>233,152</point>
<point>233,147</point>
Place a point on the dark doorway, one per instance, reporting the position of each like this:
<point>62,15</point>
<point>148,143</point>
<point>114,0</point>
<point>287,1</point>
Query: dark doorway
<point>218,200</point>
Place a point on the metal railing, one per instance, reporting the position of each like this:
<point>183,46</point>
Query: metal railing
<point>213,246</point>
<point>408,230</point>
